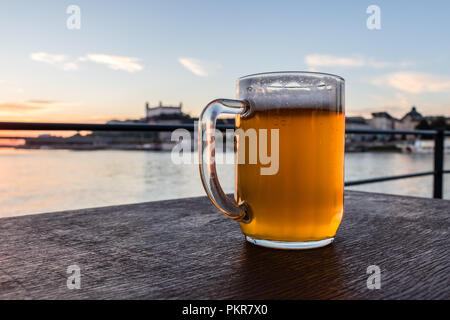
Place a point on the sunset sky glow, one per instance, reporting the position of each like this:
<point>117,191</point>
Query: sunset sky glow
<point>127,53</point>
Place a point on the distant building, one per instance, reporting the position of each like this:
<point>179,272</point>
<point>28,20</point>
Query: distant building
<point>382,121</point>
<point>357,123</point>
<point>409,121</point>
<point>161,110</point>
<point>165,114</point>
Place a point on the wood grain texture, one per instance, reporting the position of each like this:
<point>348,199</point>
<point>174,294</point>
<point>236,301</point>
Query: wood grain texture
<point>185,249</point>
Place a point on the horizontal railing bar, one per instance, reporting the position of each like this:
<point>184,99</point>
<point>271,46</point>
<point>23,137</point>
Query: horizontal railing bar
<point>381,179</point>
<point>166,127</point>
<point>98,126</point>
<point>17,138</point>
<point>391,132</point>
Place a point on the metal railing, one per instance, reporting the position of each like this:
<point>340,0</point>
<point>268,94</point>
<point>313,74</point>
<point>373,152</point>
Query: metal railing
<point>438,172</point>
<point>438,135</point>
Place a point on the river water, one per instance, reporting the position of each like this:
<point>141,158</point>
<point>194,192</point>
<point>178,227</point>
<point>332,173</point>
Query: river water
<point>35,181</point>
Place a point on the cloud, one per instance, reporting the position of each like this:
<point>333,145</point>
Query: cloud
<point>199,67</point>
<point>17,106</point>
<point>414,82</point>
<point>58,60</point>
<point>323,60</point>
<point>129,64</point>
<point>63,62</point>
<point>47,57</point>
<point>33,105</point>
<point>40,102</point>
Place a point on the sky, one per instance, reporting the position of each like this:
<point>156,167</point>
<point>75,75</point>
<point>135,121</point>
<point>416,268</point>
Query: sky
<point>125,53</point>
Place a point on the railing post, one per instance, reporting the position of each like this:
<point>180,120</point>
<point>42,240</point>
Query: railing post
<point>438,164</point>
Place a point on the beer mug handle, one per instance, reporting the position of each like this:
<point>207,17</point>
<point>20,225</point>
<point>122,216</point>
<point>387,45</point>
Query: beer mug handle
<point>206,153</point>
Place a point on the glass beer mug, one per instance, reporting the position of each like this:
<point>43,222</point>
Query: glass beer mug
<point>292,199</point>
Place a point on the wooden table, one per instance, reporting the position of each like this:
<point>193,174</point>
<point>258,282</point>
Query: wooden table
<point>186,249</point>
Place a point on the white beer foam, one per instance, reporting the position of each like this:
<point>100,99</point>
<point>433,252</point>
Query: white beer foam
<point>292,90</point>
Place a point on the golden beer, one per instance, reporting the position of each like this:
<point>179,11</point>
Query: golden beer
<point>303,201</point>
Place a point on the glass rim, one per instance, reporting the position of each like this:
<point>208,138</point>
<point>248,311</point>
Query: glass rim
<point>292,72</point>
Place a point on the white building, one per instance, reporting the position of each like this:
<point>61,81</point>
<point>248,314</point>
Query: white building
<point>163,115</point>
<point>382,121</point>
<point>161,110</point>
<point>409,122</point>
